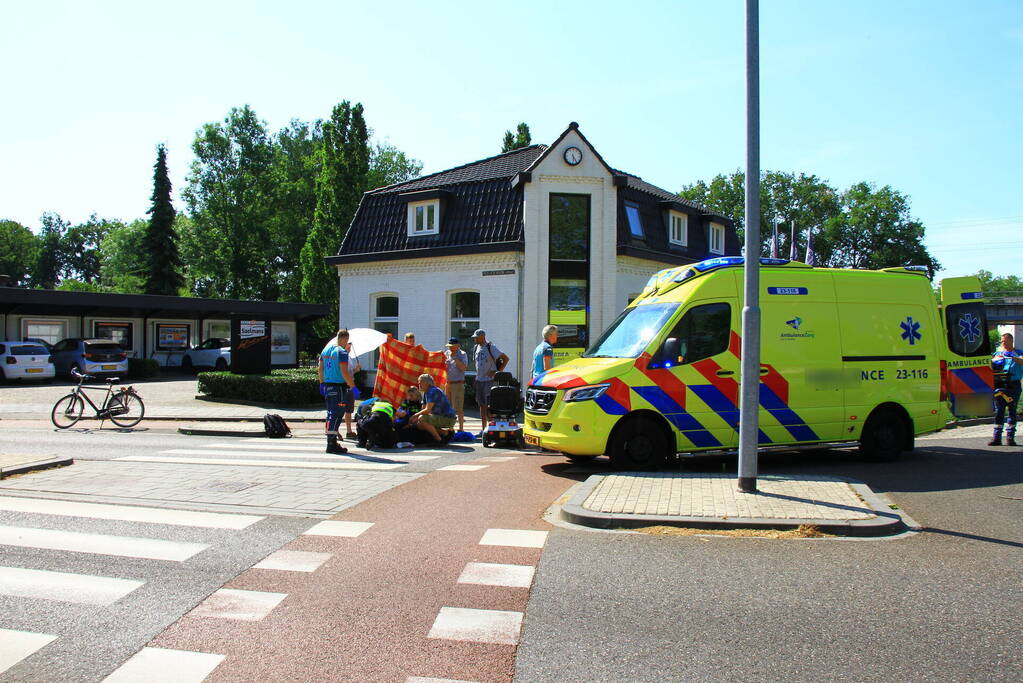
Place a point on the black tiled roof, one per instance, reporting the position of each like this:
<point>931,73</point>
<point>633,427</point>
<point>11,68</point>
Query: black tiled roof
<point>501,166</point>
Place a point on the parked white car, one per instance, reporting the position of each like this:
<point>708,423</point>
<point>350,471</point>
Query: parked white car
<point>25,360</point>
<point>213,353</point>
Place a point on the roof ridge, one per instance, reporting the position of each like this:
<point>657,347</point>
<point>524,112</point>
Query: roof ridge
<point>455,168</point>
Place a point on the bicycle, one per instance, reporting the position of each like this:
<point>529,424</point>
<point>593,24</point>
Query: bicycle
<point>123,407</point>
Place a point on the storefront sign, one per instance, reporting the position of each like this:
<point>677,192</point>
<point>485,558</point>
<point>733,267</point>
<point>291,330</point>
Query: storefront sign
<point>281,341</point>
<point>251,329</point>
<point>171,337</point>
<point>250,346</point>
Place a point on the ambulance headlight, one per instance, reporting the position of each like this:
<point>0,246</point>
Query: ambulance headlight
<point>586,393</point>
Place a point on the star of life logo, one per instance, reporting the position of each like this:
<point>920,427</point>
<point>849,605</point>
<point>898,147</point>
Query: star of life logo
<point>969,328</point>
<point>910,331</point>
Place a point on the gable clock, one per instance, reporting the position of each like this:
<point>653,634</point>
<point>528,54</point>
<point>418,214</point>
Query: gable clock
<point>573,155</point>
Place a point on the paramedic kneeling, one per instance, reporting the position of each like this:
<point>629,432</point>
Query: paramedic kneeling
<point>336,384</point>
<point>1009,361</point>
<point>437,415</point>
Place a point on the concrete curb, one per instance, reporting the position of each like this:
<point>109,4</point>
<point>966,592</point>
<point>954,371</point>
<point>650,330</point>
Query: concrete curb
<point>886,522</point>
<point>34,465</point>
<point>199,431</point>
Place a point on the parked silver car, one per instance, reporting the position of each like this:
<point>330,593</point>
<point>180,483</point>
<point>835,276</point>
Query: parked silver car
<point>25,360</point>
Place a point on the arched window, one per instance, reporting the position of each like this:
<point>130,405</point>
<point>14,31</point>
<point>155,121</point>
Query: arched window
<point>385,318</point>
<point>464,319</point>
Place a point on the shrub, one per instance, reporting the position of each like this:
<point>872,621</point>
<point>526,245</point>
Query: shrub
<point>143,367</point>
<point>297,386</point>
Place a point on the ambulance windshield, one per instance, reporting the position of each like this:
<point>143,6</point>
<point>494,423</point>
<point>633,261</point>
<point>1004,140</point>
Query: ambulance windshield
<point>632,332</point>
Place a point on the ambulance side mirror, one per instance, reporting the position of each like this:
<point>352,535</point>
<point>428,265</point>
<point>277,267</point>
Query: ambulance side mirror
<point>672,352</point>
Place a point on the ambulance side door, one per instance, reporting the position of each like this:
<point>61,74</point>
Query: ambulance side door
<point>700,358</point>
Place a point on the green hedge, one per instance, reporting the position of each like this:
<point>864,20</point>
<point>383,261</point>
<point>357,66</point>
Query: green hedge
<point>143,367</point>
<point>298,386</point>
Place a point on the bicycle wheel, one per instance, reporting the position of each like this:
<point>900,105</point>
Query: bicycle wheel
<point>67,411</point>
<point>126,409</point>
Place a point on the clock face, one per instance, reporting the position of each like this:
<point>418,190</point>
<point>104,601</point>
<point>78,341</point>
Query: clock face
<point>573,155</point>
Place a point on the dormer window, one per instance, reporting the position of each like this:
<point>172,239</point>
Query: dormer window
<point>424,218</point>
<point>678,228</point>
<point>635,222</point>
<point>716,241</point>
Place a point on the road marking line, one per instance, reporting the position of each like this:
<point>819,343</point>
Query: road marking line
<point>477,625</point>
<point>78,588</point>
<point>519,538</point>
<point>287,451</point>
<point>127,513</point>
<point>266,463</point>
<point>421,679</point>
<point>99,544</point>
<point>229,603</point>
<point>461,468</point>
<point>159,665</point>
<point>339,528</point>
<point>488,574</point>
<point>293,561</point>
<point>496,458</point>
<point>16,645</point>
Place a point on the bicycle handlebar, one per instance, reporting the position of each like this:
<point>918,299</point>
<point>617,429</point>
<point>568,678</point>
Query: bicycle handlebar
<point>81,377</point>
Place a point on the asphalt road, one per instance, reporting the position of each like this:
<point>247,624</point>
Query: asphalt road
<point>943,604</point>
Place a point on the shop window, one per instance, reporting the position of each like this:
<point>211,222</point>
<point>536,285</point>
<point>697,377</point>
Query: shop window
<point>172,337</point>
<point>116,332</point>
<point>635,222</point>
<point>678,228</point>
<point>424,218</point>
<point>50,331</point>
<point>716,242</point>
<point>219,329</point>
<point>464,320</point>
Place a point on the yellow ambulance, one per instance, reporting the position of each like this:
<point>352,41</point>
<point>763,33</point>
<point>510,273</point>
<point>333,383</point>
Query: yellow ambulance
<point>865,356</point>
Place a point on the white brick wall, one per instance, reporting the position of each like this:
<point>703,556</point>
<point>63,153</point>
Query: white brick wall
<point>632,275</point>
<point>423,288</point>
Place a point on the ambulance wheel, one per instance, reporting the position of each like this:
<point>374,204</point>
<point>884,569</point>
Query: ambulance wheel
<point>884,436</point>
<point>638,444</point>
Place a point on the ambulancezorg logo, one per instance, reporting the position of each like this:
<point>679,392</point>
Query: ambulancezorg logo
<point>798,332</point>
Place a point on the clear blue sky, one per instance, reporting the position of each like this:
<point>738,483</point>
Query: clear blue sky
<point>925,96</point>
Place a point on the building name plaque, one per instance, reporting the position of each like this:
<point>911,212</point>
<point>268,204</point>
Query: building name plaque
<point>510,271</point>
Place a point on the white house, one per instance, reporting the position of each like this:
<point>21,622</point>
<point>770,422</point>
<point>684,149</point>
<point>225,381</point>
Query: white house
<point>542,234</point>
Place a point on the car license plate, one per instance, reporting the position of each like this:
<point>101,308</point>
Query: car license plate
<point>33,369</point>
<point>532,440</point>
<point>109,367</point>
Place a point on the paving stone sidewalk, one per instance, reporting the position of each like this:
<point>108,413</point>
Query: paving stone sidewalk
<point>703,500</point>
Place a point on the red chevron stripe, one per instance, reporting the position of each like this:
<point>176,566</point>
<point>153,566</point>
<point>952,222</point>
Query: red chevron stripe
<point>734,343</point>
<point>566,381</point>
<point>726,385</point>
<point>958,386</point>
<point>619,391</point>
<point>986,374</point>
<point>669,383</point>
<point>778,384</point>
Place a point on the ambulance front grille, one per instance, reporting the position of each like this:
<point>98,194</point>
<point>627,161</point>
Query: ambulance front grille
<point>539,401</point>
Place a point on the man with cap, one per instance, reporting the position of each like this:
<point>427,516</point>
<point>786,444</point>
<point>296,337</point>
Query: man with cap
<point>489,360</point>
<point>457,362</point>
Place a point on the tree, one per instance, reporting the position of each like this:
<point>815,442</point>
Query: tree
<point>19,250</point>
<point>79,250</point>
<point>344,171</point>
<point>999,284</point>
<point>520,139</point>
<point>162,261</point>
<point>50,258</point>
<point>389,165</point>
<point>230,199</point>
<point>123,258</point>
<point>862,227</point>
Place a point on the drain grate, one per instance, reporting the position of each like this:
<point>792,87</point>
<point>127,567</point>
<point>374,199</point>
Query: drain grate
<point>224,486</point>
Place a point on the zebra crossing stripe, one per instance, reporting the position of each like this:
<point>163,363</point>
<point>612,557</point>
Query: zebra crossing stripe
<point>83,589</point>
<point>267,463</point>
<point>159,665</point>
<point>99,544</point>
<point>16,645</point>
<point>317,453</point>
<point>127,513</point>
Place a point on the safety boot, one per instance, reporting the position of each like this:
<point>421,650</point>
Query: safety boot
<point>997,441</point>
<point>1011,441</point>
<point>334,447</point>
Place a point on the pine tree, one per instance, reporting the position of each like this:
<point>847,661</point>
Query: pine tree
<point>521,138</point>
<point>160,244</point>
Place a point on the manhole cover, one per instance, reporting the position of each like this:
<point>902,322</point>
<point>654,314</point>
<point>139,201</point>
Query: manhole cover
<point>227,486</point>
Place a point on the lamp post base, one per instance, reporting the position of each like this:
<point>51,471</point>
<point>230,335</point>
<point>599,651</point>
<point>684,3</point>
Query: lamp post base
<point>748,484</point>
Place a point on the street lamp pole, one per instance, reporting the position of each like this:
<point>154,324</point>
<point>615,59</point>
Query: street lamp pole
<point>749,427</point>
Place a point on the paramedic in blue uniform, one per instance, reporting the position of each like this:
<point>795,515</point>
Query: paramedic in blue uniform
<point>336,384</point>
<point>1008,360</point>
<point>543,354</point>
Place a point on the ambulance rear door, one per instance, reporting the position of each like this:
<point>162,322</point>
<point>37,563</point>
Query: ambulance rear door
<point>966,370</point>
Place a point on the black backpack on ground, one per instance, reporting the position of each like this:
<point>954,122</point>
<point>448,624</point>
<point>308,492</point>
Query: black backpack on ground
<point>275,426</point>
